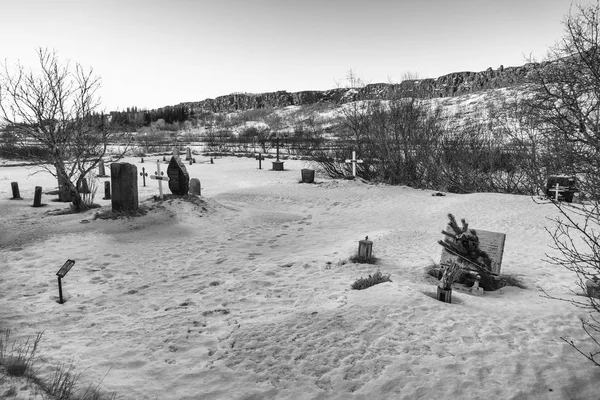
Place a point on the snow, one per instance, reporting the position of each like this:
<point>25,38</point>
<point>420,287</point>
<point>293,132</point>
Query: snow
<point>246,294</point>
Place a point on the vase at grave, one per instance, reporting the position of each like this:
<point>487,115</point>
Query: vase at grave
<point>444,295</point>
<point>179,179</point>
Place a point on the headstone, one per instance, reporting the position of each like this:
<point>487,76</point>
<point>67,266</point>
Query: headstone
<point>308,175</point>
<point>188,154</point>
<point>64,194</point>
<point>83,187</point>
<point>354,161</point>
<point>176,152</point>
<point>211,160</point>
<point>101,170</point>
<point>123,178</point>
<point>106,190</point>
<point>592,289</point>
<point>179,179</point>
<point>15,191</point>
<point>142,160</point>
<point>37,198</point>
<point>195,187</point>
<point>490,242</point>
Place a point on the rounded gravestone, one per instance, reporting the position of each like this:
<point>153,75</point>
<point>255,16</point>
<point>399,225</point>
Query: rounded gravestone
<point>195,188</point>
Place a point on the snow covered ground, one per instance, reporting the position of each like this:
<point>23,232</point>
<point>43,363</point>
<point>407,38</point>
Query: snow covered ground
<point>246,294</point>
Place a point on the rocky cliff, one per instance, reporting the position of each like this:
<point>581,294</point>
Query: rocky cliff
<point>454,84</point>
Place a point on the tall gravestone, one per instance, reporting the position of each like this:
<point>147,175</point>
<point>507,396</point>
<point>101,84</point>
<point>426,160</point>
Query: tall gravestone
<point>101,170</point>
<point>123,178</point>
<point>188,154</point>
<point>195,187</point>
<point>179,179</point>
<point>64,194</point>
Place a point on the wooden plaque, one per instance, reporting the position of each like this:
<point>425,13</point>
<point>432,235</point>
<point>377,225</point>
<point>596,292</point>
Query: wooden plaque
<point>490,242</point>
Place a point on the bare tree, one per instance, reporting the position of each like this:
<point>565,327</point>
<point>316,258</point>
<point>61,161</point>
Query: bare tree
<point>566,106</point>
<point>55,107</point>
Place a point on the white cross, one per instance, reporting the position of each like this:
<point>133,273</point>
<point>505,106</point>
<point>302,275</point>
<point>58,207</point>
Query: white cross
<point>354,161</point>
<point>159,177</point>
<point>555,190</point>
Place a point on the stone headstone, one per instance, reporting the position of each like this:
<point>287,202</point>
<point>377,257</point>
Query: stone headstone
<point>64,194</point>
<point>101,170</point>
<point>175,152</point>
<point>188,154</point>
<point>195,187</point>
<point>490,242</point>
<point>106,190</point>
<point>83,187</point>
<point>179,179</point>
<point>15,190</point>
<point>123,178</point>
<point>308,175</point>
<point>37,198</point>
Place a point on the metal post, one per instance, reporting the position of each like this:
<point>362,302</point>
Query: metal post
<point>60,291</point>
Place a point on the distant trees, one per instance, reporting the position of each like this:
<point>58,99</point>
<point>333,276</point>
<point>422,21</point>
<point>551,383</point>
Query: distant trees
<point>55,107</point>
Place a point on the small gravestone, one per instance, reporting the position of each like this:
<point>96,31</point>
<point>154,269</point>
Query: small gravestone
<point>15,191</point>
<point>37,198</point>
<point>195,187</point>
<point>188,155</point>
<point>64,194</point>
<point>101,170</point>
<point>106,190</point>
<point>308,175</point>
<point>123,178</point>
<point>83,187</point>
<point>490,242</point>
<point>179,179</point>
<point>176,152</point>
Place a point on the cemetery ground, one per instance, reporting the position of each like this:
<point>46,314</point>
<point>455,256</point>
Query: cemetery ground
<point>246,294</point>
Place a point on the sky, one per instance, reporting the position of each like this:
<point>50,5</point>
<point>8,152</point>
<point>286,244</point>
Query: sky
<point>153,53</point>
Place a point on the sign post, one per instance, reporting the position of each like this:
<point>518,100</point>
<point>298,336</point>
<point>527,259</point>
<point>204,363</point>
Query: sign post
<point>61,274</point>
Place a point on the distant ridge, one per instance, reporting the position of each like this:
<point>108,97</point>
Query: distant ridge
<point>454,84</point>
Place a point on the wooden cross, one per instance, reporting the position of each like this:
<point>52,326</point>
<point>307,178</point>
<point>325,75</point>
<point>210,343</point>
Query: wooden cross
<point>259,158</point>
<point>159,176</point>
<point>277,144</point>
<point>144,174</point>
<point>556,190</point>
<point>354,161</point>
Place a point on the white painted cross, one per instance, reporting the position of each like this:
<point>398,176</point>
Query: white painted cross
<point>354,161</point>
<point>556,190</point>
<point>159,176</point>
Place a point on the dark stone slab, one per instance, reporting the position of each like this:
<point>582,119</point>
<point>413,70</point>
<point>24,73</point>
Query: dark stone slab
<point>123,178</point>
<point>179,179</point>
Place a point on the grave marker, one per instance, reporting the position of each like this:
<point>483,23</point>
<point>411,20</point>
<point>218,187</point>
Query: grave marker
<point>354,161</point>
<point>188,155</point>
<point>123,177</point>
<point>101,170</point>
<point>62,272</point>
<point>106,190</point>
<point>64,194</point>
<point>158,175</point>
<point>277,165</point>
<point>176,152</point>
<point>308,175</point>
<point>15,191</point>
<point>37,198</point>
<point>179,179</point>
<point>259,158</point>
<point>490,242</point>
<point>83,187</point>
<point>195,187</point>
<point>144,174</point>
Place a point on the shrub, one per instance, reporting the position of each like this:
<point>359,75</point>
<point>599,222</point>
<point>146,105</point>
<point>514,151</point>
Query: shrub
<point>364,283</point>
